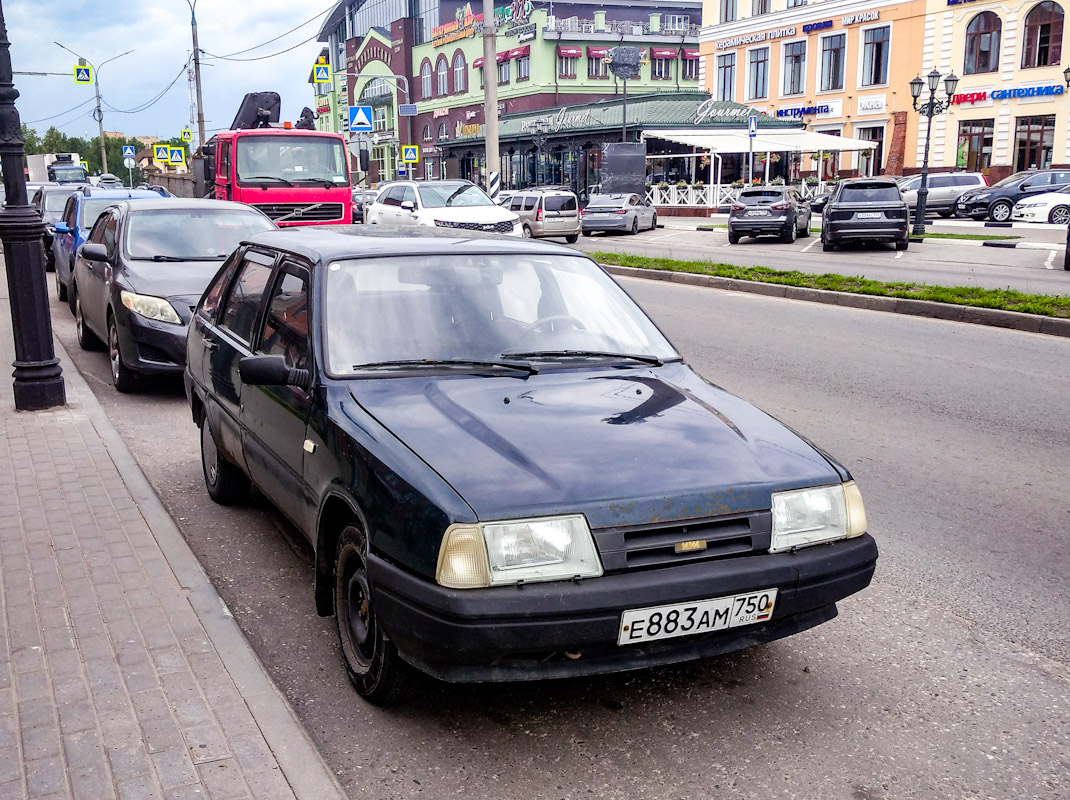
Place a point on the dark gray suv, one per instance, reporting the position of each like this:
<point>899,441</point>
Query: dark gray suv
<point>866,209</point>
<point>769,210</point>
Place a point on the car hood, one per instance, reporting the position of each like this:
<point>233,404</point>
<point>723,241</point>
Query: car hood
<point>479,214</point>
<point>627,446</point>
<point>184,281</point>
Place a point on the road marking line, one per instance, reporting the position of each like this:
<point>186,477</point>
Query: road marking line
<point>815,241</point>
<point>899,254</point>
<point>727,245</point>
<point>666,236</point>
<point>1050,263</point>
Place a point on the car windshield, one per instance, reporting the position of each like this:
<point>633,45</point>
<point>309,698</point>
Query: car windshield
<point>189,234</point>
<point>1011,179</point>
<point>91,210</point>
<point>453,194</point>
<point>55,201</point>
<point>293,159</point>
<point>869,193</point>
<point>484,308</point>
<point>754,198</point>
<point>607,201</point>
<point>68,173</point>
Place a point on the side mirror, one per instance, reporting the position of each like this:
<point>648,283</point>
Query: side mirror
<point>93,251</point>
<point>61,227</point>
<point>408,205</point>
<point>364,159</point>
<point>271,371</point>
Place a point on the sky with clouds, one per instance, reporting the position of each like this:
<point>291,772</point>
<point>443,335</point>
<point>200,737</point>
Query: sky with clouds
<point>158,32</point>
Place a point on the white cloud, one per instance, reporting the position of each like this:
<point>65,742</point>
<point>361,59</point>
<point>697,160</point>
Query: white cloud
<point>159,35</point>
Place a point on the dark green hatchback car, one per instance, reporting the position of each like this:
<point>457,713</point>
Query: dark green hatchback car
<point>506,470</point>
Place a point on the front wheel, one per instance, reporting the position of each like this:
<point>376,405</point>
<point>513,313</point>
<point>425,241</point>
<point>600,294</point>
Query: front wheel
<point>1000,211</point>
<point>654,222</point>
<point>226,483</point>
<point>1060,215</point>
<point>572,238</point>
<point>945,213</point>
<point>372,662</point>
<point>123,378</point>
<point>635,226</point>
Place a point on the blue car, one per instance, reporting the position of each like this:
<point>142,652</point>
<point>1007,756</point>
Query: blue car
<point>81,211</point>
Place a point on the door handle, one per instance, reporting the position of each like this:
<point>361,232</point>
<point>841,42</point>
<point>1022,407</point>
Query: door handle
<point>209,344</point>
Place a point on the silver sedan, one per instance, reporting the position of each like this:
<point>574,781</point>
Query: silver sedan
<point>618,212</point>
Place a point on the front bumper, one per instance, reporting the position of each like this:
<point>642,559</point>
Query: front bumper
<point>151,347</point>
<point>568,628</point>
<point>1029,214</point>
<point>977,210</point>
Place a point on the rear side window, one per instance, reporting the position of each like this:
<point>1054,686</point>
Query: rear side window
<point>530,202</point>
<point>869,192</point>
<point>559,203</point>
<point>516,203</point>
<point>942,181</point>
<point>239,312</point>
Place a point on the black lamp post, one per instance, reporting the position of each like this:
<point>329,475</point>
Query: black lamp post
<point>38,376</point>
<point>1066,77</point>
<point>929,108</point>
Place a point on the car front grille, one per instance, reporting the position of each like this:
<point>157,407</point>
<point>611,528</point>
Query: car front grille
<point>302,212</point>
<point>647,546</point>
<point>489,227</point>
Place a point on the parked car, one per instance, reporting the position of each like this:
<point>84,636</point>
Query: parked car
<point>109,181</point>
<point>1053,207</point>
<point>998,200</point>
<point>945,188</point>
<point>866,210</point>
<point>547,212</point>
<point>618,212</point>
<point>818,202</point>
<point>505,197</point>
<point>361,198</point>
<point>49,200</point>
<point>447,204</point>
<point>82,209</point>
<point>141,273</point>
<point>504,468</point>
<point>769,210</point>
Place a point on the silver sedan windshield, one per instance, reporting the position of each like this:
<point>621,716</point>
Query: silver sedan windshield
<point>485,308</point>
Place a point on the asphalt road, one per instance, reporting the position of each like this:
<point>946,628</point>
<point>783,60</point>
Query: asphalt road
<point>947,678</point>
<point>934,262</point>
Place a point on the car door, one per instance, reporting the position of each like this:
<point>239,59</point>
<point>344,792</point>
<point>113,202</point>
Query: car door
<point>95,281</point>
<point>274,417</point>
<point>227,342</point>
<point>406,217</point>
<point>63,243</point>
<point>1037,184</point>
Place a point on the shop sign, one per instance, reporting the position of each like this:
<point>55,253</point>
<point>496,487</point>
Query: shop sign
<point>709,110</point>
<point>440,112</point>
<point>865,16</point>
<point>959,2</point>
<point>471,130</point>
<point>556,122</point>
<point>462,27</point>
<point>817,26</point>
<point>471,114</point>
<point>803,111</point>
<point>523,33</point>
<point>872,104</point>
<point>1008,94</point>
<point>752,38</point>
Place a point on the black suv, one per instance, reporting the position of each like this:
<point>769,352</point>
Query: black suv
<point>776,210</point>
<point>866,209</point>
<point>997,201</point>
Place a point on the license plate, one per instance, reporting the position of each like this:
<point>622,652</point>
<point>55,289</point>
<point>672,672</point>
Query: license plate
<point>869,215</point>
<point>758,213</point>
<point>700,616</point>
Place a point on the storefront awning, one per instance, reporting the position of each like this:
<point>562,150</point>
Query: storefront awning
<point>520,52</point>
<point>569,51</point>
<point>597,52</point>
<point>478,63</point>
<point>664,52</point>
<point>503,57</point>
<point>736,140</point>
<point>691,54</point>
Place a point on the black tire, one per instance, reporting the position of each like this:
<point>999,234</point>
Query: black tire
<point>61,289</point>
<point>586,233</point>
<point>945,213</point>
<point>791,234</point>
<point>635,226</point>
<point>1060,215</point>
<point>903,245</point>
<point>87,340</point>
<point>572,238</point>
<point>654,222</point>
<point>804,231</point>
<point>733,238</point>
<point>527,232</point>
<point>999,211</point>
<point>50,260</point>
<point>225,482</point>
<point>826,245</point>
<point>124,379</point>
<point>372,662</point>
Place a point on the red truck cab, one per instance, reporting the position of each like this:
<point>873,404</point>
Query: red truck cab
<point>295,176</point>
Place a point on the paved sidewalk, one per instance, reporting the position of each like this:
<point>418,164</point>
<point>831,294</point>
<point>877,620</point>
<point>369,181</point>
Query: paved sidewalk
<point>122,673</point>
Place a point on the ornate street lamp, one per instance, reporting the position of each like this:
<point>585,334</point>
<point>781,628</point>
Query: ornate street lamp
<point>539,128</point>
<point>1066,77</point>
<point>929,109</point>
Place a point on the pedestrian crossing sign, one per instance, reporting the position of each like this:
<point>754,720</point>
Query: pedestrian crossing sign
<point>85,165</point>
<point>321,73</point>
<point>83,74</point>
<point>176,156</point>
<point>187,135</point>
<point>161,154</point>
<point>128,151</point>
<point>410,153</point>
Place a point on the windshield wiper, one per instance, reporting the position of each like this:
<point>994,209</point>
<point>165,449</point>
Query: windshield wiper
<point>449,362</point>
<point>328,184</point>
<point>268,178</point>
<point>657,362</point>
<point>159,257</point>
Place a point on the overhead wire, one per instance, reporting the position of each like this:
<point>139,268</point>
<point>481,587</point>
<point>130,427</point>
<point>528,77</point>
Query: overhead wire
<point>60,114</point>
<point>149,103</point>
<point>287,33</point>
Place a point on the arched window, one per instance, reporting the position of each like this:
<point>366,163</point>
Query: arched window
<point>460,73</point>
<point>1043,43</point>
<point>443,132</point>
<point>982,43</point>
<point>427,133</point>
<point>425,80</point>
<point>443,71</point>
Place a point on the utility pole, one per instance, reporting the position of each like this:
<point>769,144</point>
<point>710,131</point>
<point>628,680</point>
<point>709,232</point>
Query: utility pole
<point>197,71</point>
<point>98,115</point>
<point>490,99</point>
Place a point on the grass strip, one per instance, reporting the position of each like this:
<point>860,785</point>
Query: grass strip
<point>968,236</point>
<point>1004,299</point>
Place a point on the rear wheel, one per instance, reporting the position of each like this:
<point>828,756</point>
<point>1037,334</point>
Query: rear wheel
<point>586,233</point>
<point>226,483</point>
<point>572,238</point>
<point>87,340</point>
<point>1060,215</point>
<point>1000,211</point>
<point>791,234</point>
<point>733,238</point>
<point>124,379</point>
<point>527,232</point>
<point>61,289</point>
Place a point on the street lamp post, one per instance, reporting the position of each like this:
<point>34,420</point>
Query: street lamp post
<point>539,128</point>
<point>929,109</point>
<point>98,115</point>
<point>38,376</point>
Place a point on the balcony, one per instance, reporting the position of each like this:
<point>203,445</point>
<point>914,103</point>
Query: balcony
<point>586,27</point>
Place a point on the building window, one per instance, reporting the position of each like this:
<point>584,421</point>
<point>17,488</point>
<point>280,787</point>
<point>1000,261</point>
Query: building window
<point>503,72</point>
<point>795,68</point>
<point>1043,36</point>
<point>1033,139</point>
<point>597,67</point>
<point>833,50</point>
<point>460,73</point>
<point>443,132</point>
<point>689,69</point>
<point>379,157</point>
<point>796,3</point>
<point>982,43</point>
<point>975,144</point>
<point>425,80</point>
<point>727,11</point>
<point>523,68</point>
<point>661,68</point>
<point>379,118</point>
<point>675,22</point>
<point>427,133</point>
<point>758,73</point>
<point>759,7</point>
<point>875,54</point>
<point>870,161</point>
<point>566,66</point>
<point>726,77</point>
<point>443,77</point>
<point>429,169</point>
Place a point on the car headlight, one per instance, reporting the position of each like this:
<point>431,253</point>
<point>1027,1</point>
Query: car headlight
<point>811,516</point>
<point>1029,205</point>
<point>981,196</point>
<point>498,553</point>
<point>150,307</point>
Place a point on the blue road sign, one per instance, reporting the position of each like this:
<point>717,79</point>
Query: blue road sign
<point>360,119</point>
<point>410,153</point>
<point>752,125</point>
<point>321,73</point>
<point>407,110</point>
<point>83,74</point>
<point>176,155</point>
<point>128,151</point>
<point>402,172</point>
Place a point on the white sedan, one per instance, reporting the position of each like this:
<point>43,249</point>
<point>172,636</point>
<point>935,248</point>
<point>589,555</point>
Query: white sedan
<point>1053,207</point>
<point>450,204</point>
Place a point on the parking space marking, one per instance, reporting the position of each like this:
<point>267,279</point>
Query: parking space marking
<point>899,254</point>
<point>657,238</point>
<point>1050,263</point>
<point>815,241</point>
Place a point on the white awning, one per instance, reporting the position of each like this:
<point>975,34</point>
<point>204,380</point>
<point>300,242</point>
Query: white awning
<point>736,140</point>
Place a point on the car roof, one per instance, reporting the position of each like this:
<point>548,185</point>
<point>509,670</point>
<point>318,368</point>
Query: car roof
<point>322,243</point>
<point>175,203</point>
<point>876,179</point>
<point>119,194</point>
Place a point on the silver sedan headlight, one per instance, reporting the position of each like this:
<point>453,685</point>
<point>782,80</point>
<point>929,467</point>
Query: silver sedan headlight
<point>805,517</point>
<point>150,307</point>
<point>530,550</point>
